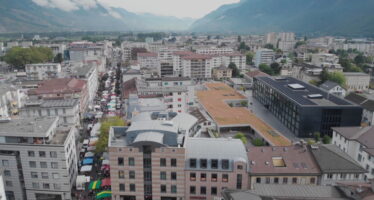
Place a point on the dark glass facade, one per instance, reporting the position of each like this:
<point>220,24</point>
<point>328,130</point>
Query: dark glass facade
<point>304,120</point>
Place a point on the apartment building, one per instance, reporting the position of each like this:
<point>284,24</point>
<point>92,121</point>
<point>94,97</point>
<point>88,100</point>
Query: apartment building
<point>166,69</point>
<point>66,109</point>
<point>357,81</point>
<point>43,71</point>
<point>90,75</point>
<point>148,60</point>
<point>212,165</point>
<point>358,143</point>
<point>282,165</point>
<point>177,61</point>
<point>39,160</point>
<point>10,100</point>
<point>147,159</point>
<point>325,60</point>
<point>304,109</point>
<point>88,52</point>
<point>222,73</point>
<point>56,48</point>
<point>65,88</point>
<point>264,56</point>
<point>366,104</point>
<point>197,66</point>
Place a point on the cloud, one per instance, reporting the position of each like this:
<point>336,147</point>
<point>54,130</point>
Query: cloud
<point>67,5</point>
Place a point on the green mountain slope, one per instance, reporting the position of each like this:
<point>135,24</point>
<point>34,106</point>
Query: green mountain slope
<point>335,17</point>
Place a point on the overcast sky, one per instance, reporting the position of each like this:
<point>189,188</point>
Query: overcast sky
<point>178,8</point>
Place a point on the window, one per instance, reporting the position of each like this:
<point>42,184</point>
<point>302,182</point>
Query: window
<point>31,153</point>
<point>372,171</point>
<point>131,174</point>
<point>163,188</point>
<point>214,164</point>
<point>225,178</point>
<point>213,190</point>
<point>267,180</point>
<point>163,175</point>
<point>359,158</point>
<point>202,190</point>
<point>225,164</point>
<point>203,163</point>
<point>294,180</point>
<point>147,176</point>
<point>276,180</point>
<point>131,162</point>
<point>46,185</point>
<point>43,165</point>
<point>8,183</point>
<point>53,154</point>
<point>192,190</point>
<point>34,174</point>
<point>343,176</point>
<point>214,177</point>
<point>44,175</point>
<point>32,164</point>
<point>56,186</point>
<point>132,187</point>
<point>173,189</point>
<point>202,177</point>
<point>173,162</point>
<point>285,180</point>
<point>192,163</point>
<point>121,162</point>
<point>240,167</point>
<point>42,154</point>
<point>179,99</point>
<point>55,175</point>
<point>312,180</point>
<point>5,163</point>
<point>163,162</point>
<point>121,174</point>
<point>173,175</point>
<point>7,173</point>
<point>258,180</point>
<point>35,185</point>
<point>54,165</point>
<point>329,176</point>
<point>121,187</point>
<point>192,176</point>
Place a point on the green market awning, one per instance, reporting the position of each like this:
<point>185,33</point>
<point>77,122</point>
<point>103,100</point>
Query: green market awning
<point>104,194</point>
<point>95,185</point>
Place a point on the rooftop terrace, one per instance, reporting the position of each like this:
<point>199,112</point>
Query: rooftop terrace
<point>214,101</point>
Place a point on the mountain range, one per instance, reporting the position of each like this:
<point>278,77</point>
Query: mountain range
<point>34,16</point>
<point>329,17</point>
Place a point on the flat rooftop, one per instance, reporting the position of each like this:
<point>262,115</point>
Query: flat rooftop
<point>27,127</point>
<point>214,101</point>
<point>302,93</point>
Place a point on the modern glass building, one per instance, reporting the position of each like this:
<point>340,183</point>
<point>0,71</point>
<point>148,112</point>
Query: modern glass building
<point>304,109</point>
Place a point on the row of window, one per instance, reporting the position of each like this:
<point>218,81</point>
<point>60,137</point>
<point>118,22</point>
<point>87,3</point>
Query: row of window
<point>44,175</point>
<point>47,186</point>
<point>43,154</point>
<point>203,190</point>
<point>214,177</point>
<point>131,162</point>
<point>213,163</point>
<point>121,161</point>
<point>122,187</point>
<point>284,180</point>
<point>54,165</point>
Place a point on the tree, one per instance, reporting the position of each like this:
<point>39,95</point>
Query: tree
<point>338,78</point>
<point>58,58</point>
<point>326,139</point>
<point>249,58</point>
<point>360,59</point>
<point>243,47</point>
<point>242,137</point>
<point>276,68</point>
<point>258,142</point>
<point>269,46</point>
<point>239,38</point>
<point>102,144</point>
<point>266,69</point>
<point>317,136</point>
<point>235,70</point>
<point>18,57</point>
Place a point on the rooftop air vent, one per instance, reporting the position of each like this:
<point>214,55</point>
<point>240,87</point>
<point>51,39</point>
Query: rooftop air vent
<point>296,86</point>
<point>315,96</point>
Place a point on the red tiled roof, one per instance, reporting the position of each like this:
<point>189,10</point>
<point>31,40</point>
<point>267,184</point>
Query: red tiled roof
<point>257,73</point>
<point>61,85</point>
<point>148,54</point>
<point>129,87</point>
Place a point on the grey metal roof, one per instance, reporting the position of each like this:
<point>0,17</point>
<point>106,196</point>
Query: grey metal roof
<point>27,127</point>
<point>297,191</point>
<point>328,85</point>
<point>300,96</point>
<point>331,159</point>
<point>363,135</point>
<point>219,148</point>
<point>53,103</point>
